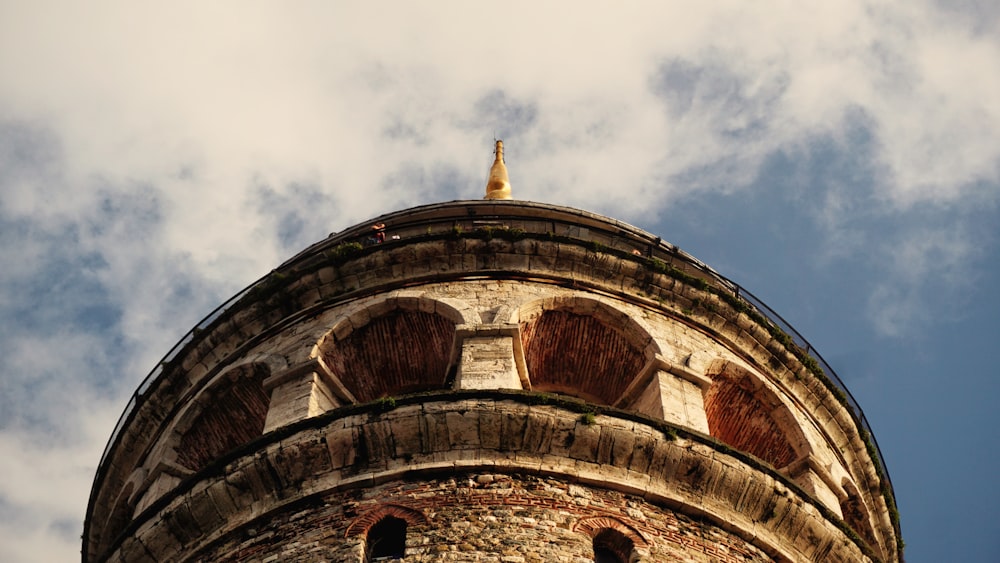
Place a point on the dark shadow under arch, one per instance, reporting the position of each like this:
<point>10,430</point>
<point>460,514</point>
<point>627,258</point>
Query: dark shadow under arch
<point>386,540</point>
<point>612,546</point>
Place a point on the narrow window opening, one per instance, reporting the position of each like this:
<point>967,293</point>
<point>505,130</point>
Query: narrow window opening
<point>611,546</point>
<point>387,540</point>
<point>605,555</point>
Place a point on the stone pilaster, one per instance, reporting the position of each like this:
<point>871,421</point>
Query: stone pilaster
<point>491,358</point>
<point>668,391</point>
<point>303,391</point>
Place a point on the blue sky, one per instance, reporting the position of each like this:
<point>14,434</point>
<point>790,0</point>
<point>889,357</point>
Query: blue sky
<point>839,160</point>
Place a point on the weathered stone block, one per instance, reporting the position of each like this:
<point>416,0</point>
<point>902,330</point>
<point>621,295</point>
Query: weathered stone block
<point>586,440</point>
<point>342,444</point>
<point>463,429</point>
<point>538,433</point>
<point>299,461</point>
<point>219,492</point>
<point>436,438</point>
<point>622,447</point>
<point>407,434</point>
<point>204,512</point>
<point>490,429</point>
<point>181,523</point>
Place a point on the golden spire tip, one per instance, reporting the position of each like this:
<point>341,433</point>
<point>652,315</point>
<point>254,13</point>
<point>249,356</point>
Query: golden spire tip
<point>498,184</point>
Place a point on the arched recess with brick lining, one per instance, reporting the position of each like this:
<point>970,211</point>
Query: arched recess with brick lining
<point>229,412</point>
<point>748,415</point>
<point>392,347</point>
<point>120,515</point>
<point>613,535</point>
<point>582,347</point>
<point>856,514</point>
<point>364,522</point>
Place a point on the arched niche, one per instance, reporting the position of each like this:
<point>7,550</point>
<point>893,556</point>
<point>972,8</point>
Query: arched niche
<point>748,415</point>
<point>613,541</point>
<point>582,347</point>
<point>363,523</point>
<point>229,412</point>
<point>611,546</point>
<point>386,540</point>
<point>392,347</point>
<point>856,514</point>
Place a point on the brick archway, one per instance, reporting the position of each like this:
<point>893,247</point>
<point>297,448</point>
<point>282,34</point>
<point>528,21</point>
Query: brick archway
<point>616,540</point>
<point>364,522</point>
<point>229,412</point>
<point>745,413</point>
<point>391,349</point>
<point>583,347</point>
<point>594,525</point>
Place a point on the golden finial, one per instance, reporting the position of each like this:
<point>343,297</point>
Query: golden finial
<point>498,185</point>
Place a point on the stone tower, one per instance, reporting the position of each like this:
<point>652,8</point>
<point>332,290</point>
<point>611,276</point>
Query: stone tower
<point>492,380</point>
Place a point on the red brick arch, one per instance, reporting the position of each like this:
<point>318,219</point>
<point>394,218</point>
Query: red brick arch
<point>363,523</point>
<point>366,311</point>
<point>229,412</point>
<point>749,415</point>
<point>582,347</point>
<point>594,525</point>
<point>632,329</point>
<point>392,346</point>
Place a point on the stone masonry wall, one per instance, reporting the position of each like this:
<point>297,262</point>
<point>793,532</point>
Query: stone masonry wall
<point>481,517</point>
<point>423,440</point>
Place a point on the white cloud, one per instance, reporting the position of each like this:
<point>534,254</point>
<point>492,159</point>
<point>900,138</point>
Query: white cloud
<point>191,147</point>
<point>47,483</point>
<point>292,94</point>
<point>928,278</point>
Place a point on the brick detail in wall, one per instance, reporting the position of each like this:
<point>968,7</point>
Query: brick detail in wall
<point>737,417</point>
<point>363,523</point>
<point>483,517</point>
<point>400,352</point>
<point>579,355</point>
<point>593,526</point>
<point>233,414</point>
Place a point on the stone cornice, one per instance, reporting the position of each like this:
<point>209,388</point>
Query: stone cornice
<point>503,433</point>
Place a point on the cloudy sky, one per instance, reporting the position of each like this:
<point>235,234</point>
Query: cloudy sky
<point>841,160</point>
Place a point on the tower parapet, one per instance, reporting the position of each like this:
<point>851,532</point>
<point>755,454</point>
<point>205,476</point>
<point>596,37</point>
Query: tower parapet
<point>491,373</point>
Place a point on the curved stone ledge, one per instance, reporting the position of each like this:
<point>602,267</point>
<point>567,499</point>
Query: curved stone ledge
<point>456,433</point>
<point>589,258</point>
<point>267,313</point>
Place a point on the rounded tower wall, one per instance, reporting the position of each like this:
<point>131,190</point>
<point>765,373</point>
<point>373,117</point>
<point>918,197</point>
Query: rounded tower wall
<point>434,447</point>
<point>480,297</point>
